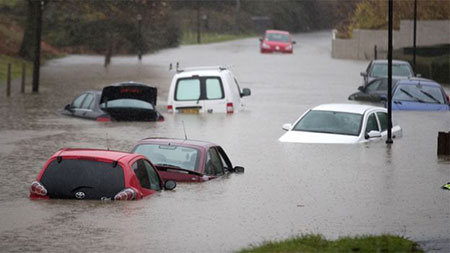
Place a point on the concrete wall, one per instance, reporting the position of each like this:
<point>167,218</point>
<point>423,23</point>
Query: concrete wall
<point>361,45</point>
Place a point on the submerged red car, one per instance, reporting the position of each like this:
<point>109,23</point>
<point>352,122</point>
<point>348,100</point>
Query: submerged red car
<point>277,41</point>
<point>97,174</point>
<point>186,160</point>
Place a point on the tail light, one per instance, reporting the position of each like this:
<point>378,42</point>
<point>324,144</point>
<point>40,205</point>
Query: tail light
<point>170,108</point>
<point>103,119</point>
<point>230,108</point>
<point>160,118</point>
<point>125,194</point>
<point>38,189</point>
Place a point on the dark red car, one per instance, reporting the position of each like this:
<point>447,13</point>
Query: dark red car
<point>186,160</point>
<point>97,174</point>
<point>277,41</point>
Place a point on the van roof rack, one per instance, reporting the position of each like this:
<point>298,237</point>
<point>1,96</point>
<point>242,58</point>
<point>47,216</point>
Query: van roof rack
<point>220,68</point>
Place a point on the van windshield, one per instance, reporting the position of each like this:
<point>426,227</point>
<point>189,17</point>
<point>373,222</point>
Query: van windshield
<point>95,179</point>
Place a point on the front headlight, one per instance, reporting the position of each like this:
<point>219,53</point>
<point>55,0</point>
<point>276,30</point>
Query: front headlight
<point>264,45</point>
<point>288,47</point>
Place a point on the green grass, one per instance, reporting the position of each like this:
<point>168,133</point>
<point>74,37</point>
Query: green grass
<point>16,67</point>
<point>317,243</point>
<point>189,38</point>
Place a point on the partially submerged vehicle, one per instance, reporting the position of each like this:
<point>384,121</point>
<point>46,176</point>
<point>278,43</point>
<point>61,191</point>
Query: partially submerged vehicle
<point>186,160</point>
<point>97,174</point>
<point>127,101</point>
<point>340,123</point>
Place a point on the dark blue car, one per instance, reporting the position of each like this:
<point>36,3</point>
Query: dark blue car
<point>419,94</point>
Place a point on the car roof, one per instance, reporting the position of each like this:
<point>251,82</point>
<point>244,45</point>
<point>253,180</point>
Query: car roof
<point>95,153</point>
<point>415,81</point>
<point>393,62</point>
<point>351,108</point>
<point>178,142</point>
<point>200,72</point>
<point>277,31</point>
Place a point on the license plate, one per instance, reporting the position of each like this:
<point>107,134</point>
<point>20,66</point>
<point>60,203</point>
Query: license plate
<point>189,110</point>
<point>277,48</point>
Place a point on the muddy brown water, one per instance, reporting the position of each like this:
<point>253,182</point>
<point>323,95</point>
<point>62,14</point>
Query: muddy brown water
<point>286,190</point>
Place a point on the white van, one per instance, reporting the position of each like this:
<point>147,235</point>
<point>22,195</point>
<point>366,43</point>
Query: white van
<point>205,89</point>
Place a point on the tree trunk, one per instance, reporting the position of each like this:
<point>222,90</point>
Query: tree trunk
<point>27,47</point>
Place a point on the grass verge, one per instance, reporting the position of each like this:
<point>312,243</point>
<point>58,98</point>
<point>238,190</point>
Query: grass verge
<point>190,38</point>
<point>16,67</point>
<point>317,243</point>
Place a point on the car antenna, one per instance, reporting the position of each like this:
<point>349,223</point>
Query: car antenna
<point>184,129</point>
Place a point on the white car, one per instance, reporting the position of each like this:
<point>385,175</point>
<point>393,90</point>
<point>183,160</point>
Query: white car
<point>205,89</point>
<point>340,123</point>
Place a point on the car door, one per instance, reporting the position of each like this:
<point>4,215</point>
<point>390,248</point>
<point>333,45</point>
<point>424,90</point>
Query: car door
<point>147,176</point>
<point>86,109</point>
<point>382,120</point>
<point>371,125</point>
<point>213,94</point>
<point>76,105</point>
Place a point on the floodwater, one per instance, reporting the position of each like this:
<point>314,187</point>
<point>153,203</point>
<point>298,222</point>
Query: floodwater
<point>286,190</point>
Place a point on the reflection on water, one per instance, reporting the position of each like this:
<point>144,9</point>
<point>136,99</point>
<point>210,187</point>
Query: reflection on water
<point>287,189</point>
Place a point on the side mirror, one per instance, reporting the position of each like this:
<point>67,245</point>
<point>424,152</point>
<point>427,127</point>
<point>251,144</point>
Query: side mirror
<point>294,42</point>
<point>260,39</point>
<point>238,169</point>
<point>361,88</point>
<point>246,92</point>
<point>363,74</point>
<point>170,185</point>
<point>373,134</point>
<point>287,127</point>
<point>68,107</point>
<point>418,75</point>
<point>383,98</point>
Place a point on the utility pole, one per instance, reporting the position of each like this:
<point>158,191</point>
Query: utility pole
<point>415,35</point>
<point>198,22</point>
<point>37,46</point>
<point>389,97</point>
<point>236,17</point>
<point>139,20</point>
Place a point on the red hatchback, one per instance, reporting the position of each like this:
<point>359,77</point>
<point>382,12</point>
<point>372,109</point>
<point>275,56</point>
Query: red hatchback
<point>277,41</point>
<point>97,174</point>
<point>186,160</point>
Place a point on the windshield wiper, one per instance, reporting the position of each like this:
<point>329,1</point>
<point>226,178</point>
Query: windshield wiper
<point>167,165</point>
<point>174,167</point>
<point>411,96</point>
<point>430,96</point>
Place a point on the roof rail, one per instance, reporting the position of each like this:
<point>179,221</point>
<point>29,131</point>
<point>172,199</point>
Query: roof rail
<point>220,68</point>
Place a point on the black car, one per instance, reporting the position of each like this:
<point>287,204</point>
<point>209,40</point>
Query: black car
<point>373,91</point>
<point>120,102</point>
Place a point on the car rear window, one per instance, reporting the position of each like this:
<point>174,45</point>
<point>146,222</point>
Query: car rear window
<point>90,179</point>
<point>188,89</point>
<point>199,88</point>
<point>127,103</point>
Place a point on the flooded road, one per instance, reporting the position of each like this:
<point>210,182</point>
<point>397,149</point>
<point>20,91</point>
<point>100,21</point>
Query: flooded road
<point>286,190</point>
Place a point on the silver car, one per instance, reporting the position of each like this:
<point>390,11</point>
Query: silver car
<point>379,68</point>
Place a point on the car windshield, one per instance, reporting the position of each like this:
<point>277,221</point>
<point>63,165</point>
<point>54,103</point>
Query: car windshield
<point>419,93</point>
<point>127,103</point>
<point>278,37</point>
<point>177,156</point>
<point>93,178</point>
<point>381,70</point>
<point>330,122</point>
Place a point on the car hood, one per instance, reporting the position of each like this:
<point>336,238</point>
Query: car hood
<point>140,92</point>
<point>310,137</point>
<point>277,43</point>
<point>417,106</point>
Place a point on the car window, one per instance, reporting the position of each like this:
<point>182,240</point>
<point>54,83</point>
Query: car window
<point>146,174</point>
<point>77,101</point>
<point>373,86</point>
<point>187,89</point>
<point>237,85</point>
<point>419,93</point>
<point>214,166</point>
<point>178,156</point>
<point>127,103</point>
<point>155,183</point>
<point>214,88</point>
<point>382,117</point>
<point>88,102</point>
<point>372,123</point>
<point>93,178</point>
<point>330,122</point>
<point>278,37</point>
<point>381,70</point>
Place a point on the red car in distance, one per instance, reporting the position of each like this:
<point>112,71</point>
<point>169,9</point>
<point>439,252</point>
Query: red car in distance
<point>183,160</point>
<point>97,174</point>
<point>277,41</point>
